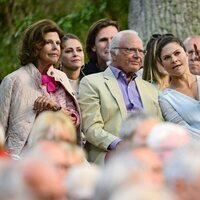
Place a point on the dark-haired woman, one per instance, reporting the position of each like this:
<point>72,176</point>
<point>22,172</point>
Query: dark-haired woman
<point>180,101</point>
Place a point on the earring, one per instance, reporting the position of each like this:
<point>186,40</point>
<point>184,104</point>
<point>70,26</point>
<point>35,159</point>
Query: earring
<point>60,67</point>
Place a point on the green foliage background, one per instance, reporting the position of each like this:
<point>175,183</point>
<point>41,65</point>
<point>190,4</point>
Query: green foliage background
<point>74,16</point>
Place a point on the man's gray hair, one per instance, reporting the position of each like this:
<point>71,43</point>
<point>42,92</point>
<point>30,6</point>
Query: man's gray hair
<point>155,139</point>
<point>117,38</point>
<point>136,191</point>
<point>115,42</point>
<point>187,40</point>
<point>116,173</point>
<point>130,123</point>
<point>183,164</point>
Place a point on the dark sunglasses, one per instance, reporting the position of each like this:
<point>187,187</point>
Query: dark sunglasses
<point>156,36</point>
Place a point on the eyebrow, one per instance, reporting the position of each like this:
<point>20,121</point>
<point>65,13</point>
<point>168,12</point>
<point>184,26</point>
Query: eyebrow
<point>172,53</point>
<point>74,47</point>
<point>51,40</point>
<point>103,39</point>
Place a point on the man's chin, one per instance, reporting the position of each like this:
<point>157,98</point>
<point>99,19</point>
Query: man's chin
<point>135,67</point>
<point>195,71</point>
<point>106,58</point>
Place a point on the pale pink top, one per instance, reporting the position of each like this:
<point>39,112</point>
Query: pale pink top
<point>64,99</point>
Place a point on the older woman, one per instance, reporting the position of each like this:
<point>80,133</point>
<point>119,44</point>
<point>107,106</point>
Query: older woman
<point>180,101</point>
<point>36,86</point>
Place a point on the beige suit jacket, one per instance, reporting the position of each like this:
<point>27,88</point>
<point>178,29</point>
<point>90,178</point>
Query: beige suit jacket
<point>103,110</point>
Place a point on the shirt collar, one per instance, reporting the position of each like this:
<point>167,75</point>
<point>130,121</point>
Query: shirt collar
<point>117,72</point>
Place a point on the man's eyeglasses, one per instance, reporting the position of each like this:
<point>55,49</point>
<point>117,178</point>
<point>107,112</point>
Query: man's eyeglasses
<point>127,50</point>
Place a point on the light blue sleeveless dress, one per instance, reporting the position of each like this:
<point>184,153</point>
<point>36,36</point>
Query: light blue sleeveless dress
<point>181,109</point>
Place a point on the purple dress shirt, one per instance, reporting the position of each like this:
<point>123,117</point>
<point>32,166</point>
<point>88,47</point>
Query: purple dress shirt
<point>130,94</point>
<point>129,90</point>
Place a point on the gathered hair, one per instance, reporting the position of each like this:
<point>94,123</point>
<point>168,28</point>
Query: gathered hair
<point>67,37</point>
<point>163,41</point>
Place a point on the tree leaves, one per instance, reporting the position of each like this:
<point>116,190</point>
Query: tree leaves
<point>72,16</point>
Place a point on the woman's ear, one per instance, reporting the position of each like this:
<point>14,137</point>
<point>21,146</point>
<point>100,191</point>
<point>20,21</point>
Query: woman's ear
<point>113,55</point>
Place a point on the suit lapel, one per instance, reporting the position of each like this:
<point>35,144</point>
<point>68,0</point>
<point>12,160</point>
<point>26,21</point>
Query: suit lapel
<point>62,78</point>
<point>114,89</point>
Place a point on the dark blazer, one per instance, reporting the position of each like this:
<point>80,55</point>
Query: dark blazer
<point>91,68</point>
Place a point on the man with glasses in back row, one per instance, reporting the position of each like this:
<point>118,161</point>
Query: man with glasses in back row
<point>193,54</point>
<point>107,97</point>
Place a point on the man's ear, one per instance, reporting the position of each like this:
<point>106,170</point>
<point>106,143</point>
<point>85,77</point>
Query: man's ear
<point>113,55</point>
<point>180,188</point>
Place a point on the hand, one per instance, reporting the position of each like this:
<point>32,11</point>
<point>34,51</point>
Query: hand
<point>110,153</point>
<point>72,116</point>
<point>196,52</point>
<point>43,103</point>
<point>118,146</point>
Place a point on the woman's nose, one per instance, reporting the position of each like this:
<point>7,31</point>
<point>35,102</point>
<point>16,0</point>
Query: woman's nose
<point>174,58</point>
<point>55,46</point>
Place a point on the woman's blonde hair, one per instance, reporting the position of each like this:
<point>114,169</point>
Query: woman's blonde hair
<point>150,68</point>
<point>50,125</point>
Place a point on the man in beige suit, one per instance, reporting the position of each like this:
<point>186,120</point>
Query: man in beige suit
<point>105,98</point>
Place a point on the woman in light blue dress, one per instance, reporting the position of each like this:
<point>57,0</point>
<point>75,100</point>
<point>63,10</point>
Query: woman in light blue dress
<point>180,101</point>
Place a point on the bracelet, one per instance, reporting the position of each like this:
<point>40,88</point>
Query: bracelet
<point>56,108</point>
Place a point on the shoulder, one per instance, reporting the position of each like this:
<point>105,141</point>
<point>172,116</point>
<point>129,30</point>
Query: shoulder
<point>93,81</point>
<point>53,71</point>
<point>93,77</point>
<point>166,92</point>
<point>144,83</point>
<point>13,81</point>
<point>57,74</point>
<point>91,68</point>
<point>167,95</point>
<point>17,74</point>
<point>140,80</point>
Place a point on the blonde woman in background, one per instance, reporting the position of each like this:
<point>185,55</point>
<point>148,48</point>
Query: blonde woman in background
<point>153,72</point>
<point>72,59</point>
